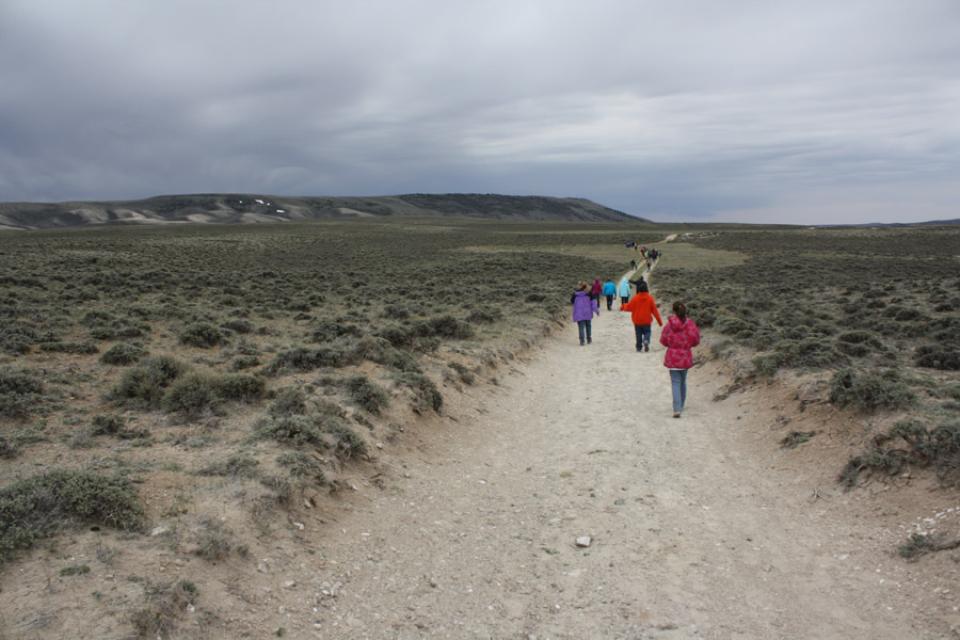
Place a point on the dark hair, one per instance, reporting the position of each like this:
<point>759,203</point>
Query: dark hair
<point>680,310</point>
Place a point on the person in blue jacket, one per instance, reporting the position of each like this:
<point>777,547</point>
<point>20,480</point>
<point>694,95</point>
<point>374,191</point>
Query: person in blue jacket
<point>609,290</point>
<point>624,290</point>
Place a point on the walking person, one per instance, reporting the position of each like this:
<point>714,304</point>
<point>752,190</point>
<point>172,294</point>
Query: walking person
<point>609,291</point>
<point>595,292</point>
<point>624,290</point>
<point>643,309</point>
<point>583,309</point>
<point>680,336</point>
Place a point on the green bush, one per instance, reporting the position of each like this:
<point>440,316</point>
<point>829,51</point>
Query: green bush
<point>107,425</point>
<point>201,334</point>
<point>302,466</point>
<point>123,353</point>
<point>297,430</point>
<point>288,402</point>
<point>20,391</point>
<point>239,325</point>
<point>38,507</point>
<point>944,358</point>
<point>241,387</point>
<point>426,396</point>
<point>870,390</point>
<point>192,394</point>
<point>367,394</point>
<point>765,365</point>
<point>244,362</point>
<point>146,383</point>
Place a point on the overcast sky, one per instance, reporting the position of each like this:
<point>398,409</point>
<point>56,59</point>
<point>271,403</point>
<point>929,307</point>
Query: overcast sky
<point>806,111</point>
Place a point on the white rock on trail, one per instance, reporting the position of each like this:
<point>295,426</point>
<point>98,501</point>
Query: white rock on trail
<point>584,541</point>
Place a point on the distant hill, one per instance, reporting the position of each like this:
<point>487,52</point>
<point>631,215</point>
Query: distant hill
<point>240,208</point>
<point>886,225</point>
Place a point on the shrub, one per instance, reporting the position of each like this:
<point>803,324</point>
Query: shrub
<point>240,387</point>
<point>767,364</point>
<point>20,391</point>
<point>192,395</point>
<point>347,443</point>
<point>302,465</point>
<point>239,325</point>
<point>795,438</point>
<point>123,353</point>
<point>288,402</point>
<point>8,450</point>
<point>165,605</point>
<point>485,316</point>
<point>213,542</point>
<point>869,391</point>
<point>426,396</point>
<point>107,425</point>
<point>297,430</point>
<point>237,466</point>
<point>146,383</point>
<point>302,360</point>
<point>201,334</point>
<point>38,507</point>
<point>244,362</point>
<point>809,352</point>
<point>938,357</point>
<point>367,394</point>
<point>78,348</point>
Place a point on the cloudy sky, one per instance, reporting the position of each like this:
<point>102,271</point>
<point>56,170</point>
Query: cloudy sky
<point>802,111</point>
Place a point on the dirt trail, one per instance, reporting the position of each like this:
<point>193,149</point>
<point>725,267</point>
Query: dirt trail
<point>695,533</point>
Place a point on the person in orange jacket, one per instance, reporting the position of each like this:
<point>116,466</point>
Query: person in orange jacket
<point>643,309</point>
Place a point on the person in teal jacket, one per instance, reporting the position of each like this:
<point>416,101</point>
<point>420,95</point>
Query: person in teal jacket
<point>624,291</point>
<point>609,290</point>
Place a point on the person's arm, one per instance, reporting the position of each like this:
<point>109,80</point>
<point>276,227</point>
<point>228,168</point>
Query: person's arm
<point>628,306</point>
<point>694,332</point>
<point>665,335</point>
<point>656,312</point>
<point>573,297</point>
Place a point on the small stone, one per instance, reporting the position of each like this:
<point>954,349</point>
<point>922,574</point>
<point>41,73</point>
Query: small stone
<point>159,531</point>
<point>584,541</point>
<point>299,525</point>
<point>290,584</point>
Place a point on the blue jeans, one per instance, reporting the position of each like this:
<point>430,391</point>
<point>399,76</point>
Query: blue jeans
<point>678,381</point>
<point>643,335</point>
<point>583,326</point>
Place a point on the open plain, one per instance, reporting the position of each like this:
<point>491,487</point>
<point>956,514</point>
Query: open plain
<point>377,429</point>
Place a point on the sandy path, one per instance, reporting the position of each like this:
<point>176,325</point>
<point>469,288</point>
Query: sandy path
<point>692,536</point>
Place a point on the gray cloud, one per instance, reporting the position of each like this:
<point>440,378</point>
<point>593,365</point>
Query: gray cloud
<point>747,110</point>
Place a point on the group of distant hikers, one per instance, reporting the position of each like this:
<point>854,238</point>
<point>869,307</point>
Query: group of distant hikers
<point>679,335</point>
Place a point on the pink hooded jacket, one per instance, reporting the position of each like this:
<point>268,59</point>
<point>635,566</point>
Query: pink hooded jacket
<point>679,337</point>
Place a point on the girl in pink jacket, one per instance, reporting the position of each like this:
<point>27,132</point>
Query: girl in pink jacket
<point>679,337</point>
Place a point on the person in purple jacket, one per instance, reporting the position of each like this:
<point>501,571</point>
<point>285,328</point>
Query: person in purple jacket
<point>584,306</point>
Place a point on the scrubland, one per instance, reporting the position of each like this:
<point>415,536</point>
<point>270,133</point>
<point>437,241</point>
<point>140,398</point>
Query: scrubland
<point>867,320</point>
<point>173,399</point>
<point>184,392</point>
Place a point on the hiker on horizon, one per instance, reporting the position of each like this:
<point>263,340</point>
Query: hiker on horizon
<point>609,290</point>
<point>680,336</point>
<point>643,309</point>
<point>584,306</point>
<point>624,290</point>
<point>595,291</point>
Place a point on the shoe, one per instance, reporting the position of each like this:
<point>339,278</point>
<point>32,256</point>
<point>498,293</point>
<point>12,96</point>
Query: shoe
<point>582,343</point>
<point>676,415</point>
<point>646,347</point>
<point>589,340</point>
